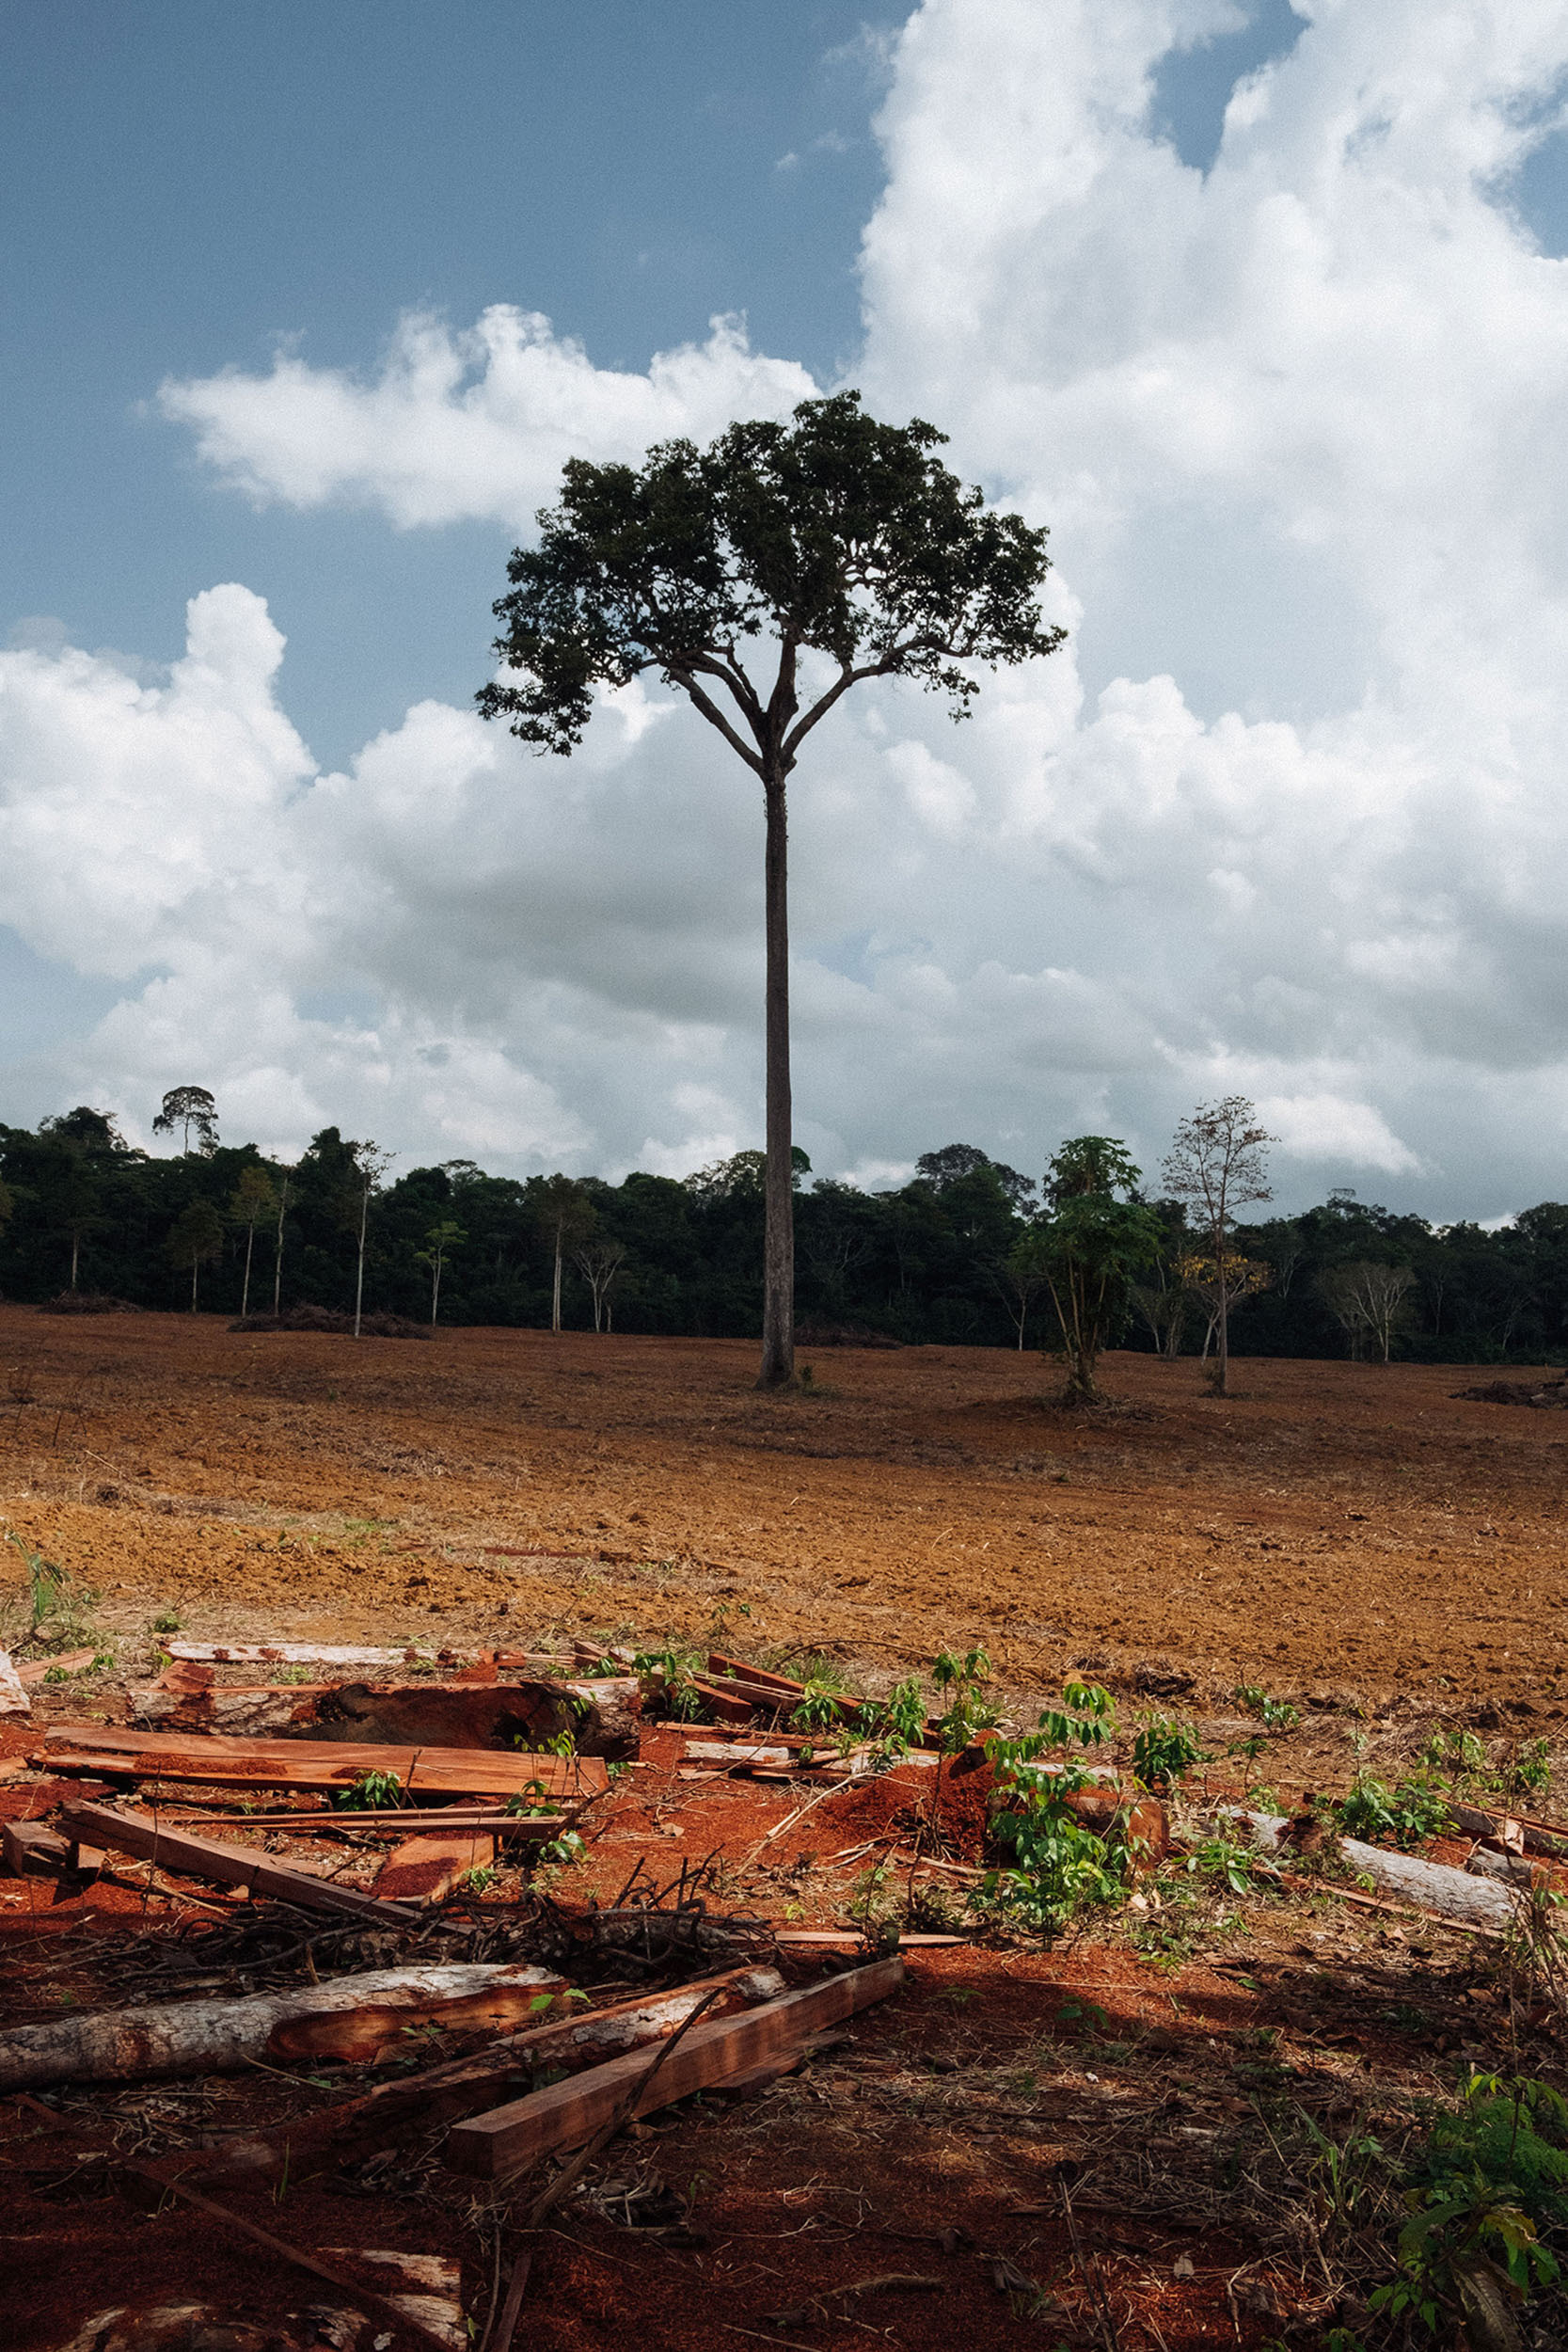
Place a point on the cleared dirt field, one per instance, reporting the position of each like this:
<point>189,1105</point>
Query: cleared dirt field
<point>1116,2141</point>
<point>1335,1530</point>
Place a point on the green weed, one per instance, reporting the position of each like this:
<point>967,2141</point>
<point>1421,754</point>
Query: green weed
<point>1276,1714</point>
<point>1164,1752</point>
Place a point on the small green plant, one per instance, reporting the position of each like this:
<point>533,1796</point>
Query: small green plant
<point>1274,1715</point>
<point>817,1709</point>
<point>1530,1772</point>
<point>1405,1815</point>
<point>559,1743</point>
<point>1221,1857</point>
<point>1058,1868</point>
<point>59,1609</point>
<point>166,1621</point>
<point>290,1673</point>
<point>373,1792</point>
<point>569,1848</point>
<point>962,1682</point>
<point>530,1800</point>
<point>1164,1752</point>
<point>672,1669</point>
<point>1482,2194</point>
<point>477,1881</point>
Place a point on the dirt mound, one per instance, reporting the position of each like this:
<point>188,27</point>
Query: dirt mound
<point>87,1303</point>
<point>1542,1394</point>
<point>308,1318</point>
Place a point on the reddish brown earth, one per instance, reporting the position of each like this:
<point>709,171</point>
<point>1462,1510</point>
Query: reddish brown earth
<point>1349,1535</point>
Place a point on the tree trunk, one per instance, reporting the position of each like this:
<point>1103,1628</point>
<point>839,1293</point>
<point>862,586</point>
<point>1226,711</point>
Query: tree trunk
<point>434,1289</point>
<point>555,1303</point>
<point>1222,1352</point>
<point>359,1270</point>
<point>277,1253</point>
<point>778,1278</point>
<point>223,2037</point>
<point>195,1264</point>
<point>75,1253</point>
<point>244,1293</point>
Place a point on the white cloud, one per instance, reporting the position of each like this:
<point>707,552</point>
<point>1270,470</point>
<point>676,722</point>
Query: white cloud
<point>1329,1127</point>
<point>462,426</point>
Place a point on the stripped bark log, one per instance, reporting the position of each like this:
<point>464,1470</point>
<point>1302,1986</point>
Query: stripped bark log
<point>13,1698</point>
<point>440,2094</point>
<point>1435,1887</point>
<point>494,2146</point>
<point>349,2015</point>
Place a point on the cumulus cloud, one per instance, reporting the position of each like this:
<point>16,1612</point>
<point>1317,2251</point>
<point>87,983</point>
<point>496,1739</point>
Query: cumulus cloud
<point>466,426</point>
<point>1285,818</point>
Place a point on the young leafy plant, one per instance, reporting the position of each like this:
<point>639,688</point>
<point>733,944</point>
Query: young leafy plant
<point>373,1792</point>
<point>1276,1714</point>
<point>1408,1813</point>
<point>1056,1867</point>
<point>1164,1752</point>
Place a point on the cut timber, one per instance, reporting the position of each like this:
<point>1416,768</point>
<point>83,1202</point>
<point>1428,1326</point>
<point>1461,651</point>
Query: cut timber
<point>734,1753</point>
<point>739,1669</point>
<point>296,1654</point>
<point>229,1866</point>
<point>602,1718</point>
<point>27,1842</point>
<point>492,2146</point>
<point>424,1870</point>
<point>349,2015</point>
<point>1434,1886</point>
<point>1512,1833</point>
<point>440,2094</point>
<point>13,1698</point>
<point>316,1763</point>
<point>38,1670</point>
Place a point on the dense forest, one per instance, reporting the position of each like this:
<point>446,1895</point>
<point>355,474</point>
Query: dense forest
<point>933,1261</point>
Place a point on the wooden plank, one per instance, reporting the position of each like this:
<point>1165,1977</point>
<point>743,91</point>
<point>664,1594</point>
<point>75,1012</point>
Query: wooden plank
<point>38,1670</point>
<point>258,1874</point>
<point>27,1842</point>
<point>738,1668</point>
<point>490,2146</point>
<point>424,1870</point>
<point>316,1763</point>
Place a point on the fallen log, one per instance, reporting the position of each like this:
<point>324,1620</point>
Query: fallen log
<point>1435,1887</point>
<point>110,1749</point>
<point>491,2147</point>
<point>349,2016</point>
<point>440,2094</point>
<point>1512,1833</point>
<point>601,1718</point>
<point>259,1875</point>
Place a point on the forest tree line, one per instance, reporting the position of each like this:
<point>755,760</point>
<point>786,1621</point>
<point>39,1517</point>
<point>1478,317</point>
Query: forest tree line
<point>943,1259</point>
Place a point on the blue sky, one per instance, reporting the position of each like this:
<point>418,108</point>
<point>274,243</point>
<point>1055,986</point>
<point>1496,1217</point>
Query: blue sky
<point>187,192</point>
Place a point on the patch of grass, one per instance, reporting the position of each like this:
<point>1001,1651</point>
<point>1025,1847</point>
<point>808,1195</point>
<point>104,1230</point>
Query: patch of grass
<point>56,1612</point>
<point>1276,1715</point>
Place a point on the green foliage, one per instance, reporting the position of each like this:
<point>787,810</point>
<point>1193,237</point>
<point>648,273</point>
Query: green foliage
<point>477,1881</point>
<point>1164,1752</point>
<point>166,1621</point>
<point>1408,1813</point>
<point>373,1792</point>
<point>56,1611</point>
<point>680,1696</point>
<point>1274,1715</point>
<point>1056,1867</point>
<point>1485,2191</point>
<point>569,1848</point>
<point>898,1722</point>
<point>961,1681</point>
<point>1095,1236</point>
<point>1224,1859</point>
<point>1530,1772</point>
<point>832,534</point>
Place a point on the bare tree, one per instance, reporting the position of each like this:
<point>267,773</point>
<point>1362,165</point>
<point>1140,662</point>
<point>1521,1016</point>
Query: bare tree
<point>440,1240</point>
<point>1218,1161</point>
<point>1019,1282</point>
<point>1368,1301</point>
<point>371,1164</point>
<point>564,1215</point>
<point>255,1197</point>
<point>1163,1305</point>
<point>277,1250</point>
<point>197,1237</point>
<point>599,1263</point>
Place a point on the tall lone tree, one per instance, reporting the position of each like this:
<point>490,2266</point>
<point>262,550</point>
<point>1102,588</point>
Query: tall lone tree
<point>847,551</point>
<point>1218,1162</point>
<point>187,1107</point>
